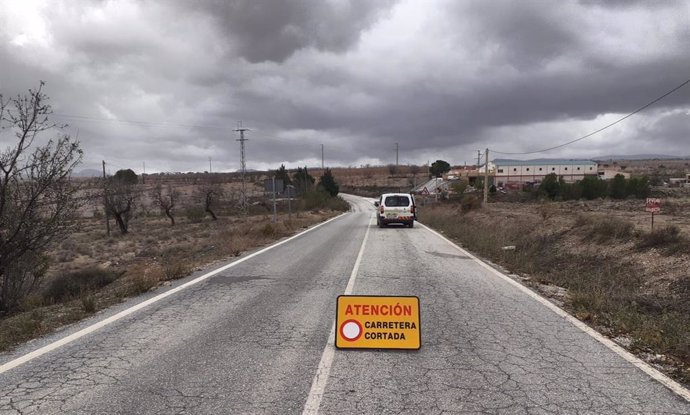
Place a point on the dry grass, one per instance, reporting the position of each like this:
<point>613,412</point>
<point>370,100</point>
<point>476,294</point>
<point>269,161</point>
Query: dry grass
<point>91,271</point>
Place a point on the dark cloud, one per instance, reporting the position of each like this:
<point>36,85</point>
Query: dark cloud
<point>441,78</point>
<point>267,30</point>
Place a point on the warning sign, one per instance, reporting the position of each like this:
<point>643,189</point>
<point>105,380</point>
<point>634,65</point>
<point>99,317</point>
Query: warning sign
<point>377,322</point>
<point>653,205</point>
<point>425,191</point>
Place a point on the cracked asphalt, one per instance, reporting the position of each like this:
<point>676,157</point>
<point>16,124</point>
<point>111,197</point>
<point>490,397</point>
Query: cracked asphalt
<point>250,339</point>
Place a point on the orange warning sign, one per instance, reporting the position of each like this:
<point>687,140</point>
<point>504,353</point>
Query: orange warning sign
<point>377,322</point>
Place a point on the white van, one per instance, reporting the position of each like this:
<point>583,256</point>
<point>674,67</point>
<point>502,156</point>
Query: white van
<point>395,208</point>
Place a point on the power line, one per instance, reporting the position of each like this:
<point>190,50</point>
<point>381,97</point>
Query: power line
<point>135,122</point>
<point>602,128</point>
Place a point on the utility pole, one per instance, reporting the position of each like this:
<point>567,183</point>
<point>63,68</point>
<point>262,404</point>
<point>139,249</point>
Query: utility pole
<point>322,163</point>
<point>289,202</point>
<point>486,177</point>
<point>243,168</point>
<point>105,201</point>
<point>397,152</point>
<point>143,175</point>
<point>275,219</point>
<point>479,158</point>
<point>210,166</point>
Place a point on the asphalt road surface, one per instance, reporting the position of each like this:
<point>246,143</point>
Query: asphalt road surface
<point>257,338</point>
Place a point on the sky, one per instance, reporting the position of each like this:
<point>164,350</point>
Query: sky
<point>165,83</point>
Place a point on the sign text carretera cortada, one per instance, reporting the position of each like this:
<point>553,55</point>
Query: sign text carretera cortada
<point>377,322</point>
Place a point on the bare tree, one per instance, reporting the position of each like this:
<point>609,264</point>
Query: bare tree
<point>414,169</point>
<point>121,197</point>
<point>166,200</point>
<point>37,198</point>
<point>209,195</point>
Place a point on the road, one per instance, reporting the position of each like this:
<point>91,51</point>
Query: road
<point>257,338</point>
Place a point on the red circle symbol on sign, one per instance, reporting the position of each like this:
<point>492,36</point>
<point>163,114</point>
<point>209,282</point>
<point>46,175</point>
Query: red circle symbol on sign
<point>351,330</point>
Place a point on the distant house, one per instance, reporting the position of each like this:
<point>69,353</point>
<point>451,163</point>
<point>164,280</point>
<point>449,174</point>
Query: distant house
<point>533,171</point>
<point>609,173</point>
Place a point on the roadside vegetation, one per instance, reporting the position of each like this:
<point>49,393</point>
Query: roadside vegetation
<point>58,264</point>
<point>609,271</point>
<point>591,187</point>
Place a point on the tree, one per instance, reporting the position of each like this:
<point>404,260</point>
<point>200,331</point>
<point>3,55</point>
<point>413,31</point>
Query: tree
<point>121,197</point>
<point>593,187</point>
<point>569,191</point>
<point>618,187</point>
<point>209,195</point>
<point>303,180</point>
<point>126,177</point>
<point>328,183</point>
<point>639,186</point>
<point>37,198</point>
<point>165,200</point>
<point>550,186</point>
<point>439,167</point>
<point>282,174</point>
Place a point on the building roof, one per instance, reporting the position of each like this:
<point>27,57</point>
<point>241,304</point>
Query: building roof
<point>543,162</point>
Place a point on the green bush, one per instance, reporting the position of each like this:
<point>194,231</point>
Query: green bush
<point>593,188</point>
<point>74,284</point>
<point>550,186</point>
<point>328,183</point>
<point>639,187</point>
<point>315,199</point>
<point>618,187</point>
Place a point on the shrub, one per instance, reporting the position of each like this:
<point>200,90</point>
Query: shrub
<point>593,188</point>
<point>195,214</point>
<point>459,186</point>
<point>176,270</point>
<point>313,200</point>
<point>550,186</point>
<point>268,230</point>
<point>639,187</point>
<point>88,303</point>
<point>618,187</point>
<point>20,328</point>
<point>668,239</point>
<point>67,286</point>
<point>142,283</point>
<point>470,202</point>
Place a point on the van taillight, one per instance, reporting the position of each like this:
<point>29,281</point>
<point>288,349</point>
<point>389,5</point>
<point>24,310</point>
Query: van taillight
<point>412,209</point>
<point>382,210</point>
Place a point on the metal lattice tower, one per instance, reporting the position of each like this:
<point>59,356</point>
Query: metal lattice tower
<point>243,167</point>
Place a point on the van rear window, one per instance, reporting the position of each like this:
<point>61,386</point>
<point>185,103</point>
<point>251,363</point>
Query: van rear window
<point>397,201</point>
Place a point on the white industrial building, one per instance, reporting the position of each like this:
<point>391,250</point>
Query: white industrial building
<point>523,171</point>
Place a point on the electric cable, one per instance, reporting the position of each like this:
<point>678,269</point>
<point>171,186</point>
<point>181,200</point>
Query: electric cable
<point>649,104</point>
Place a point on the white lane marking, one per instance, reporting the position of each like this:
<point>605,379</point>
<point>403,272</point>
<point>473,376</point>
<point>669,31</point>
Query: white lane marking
<point>90,329</point>
<point>631,358</point>
<point>318,384</point>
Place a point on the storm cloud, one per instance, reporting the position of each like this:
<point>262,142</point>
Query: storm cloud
<point>166,82</point>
